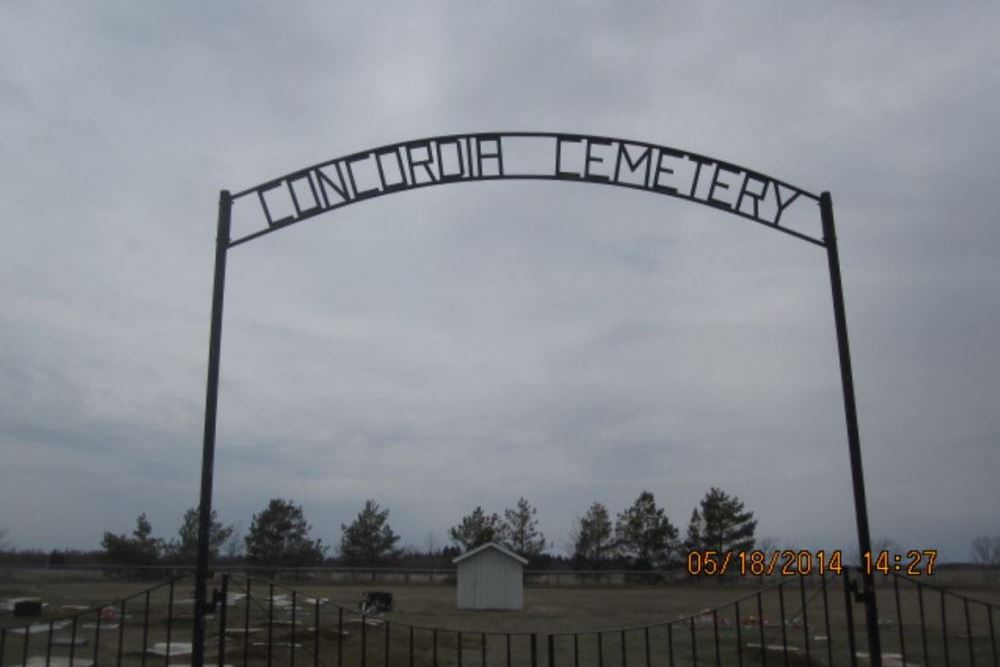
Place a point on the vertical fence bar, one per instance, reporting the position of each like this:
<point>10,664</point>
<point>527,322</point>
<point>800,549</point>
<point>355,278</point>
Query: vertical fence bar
<point>760,630</point>
<point>600,649</point>
<point>482,648</point>
<point>27,640</point>
<point>145,630</point>
<point>223,617</point>
<point>552,650</point>
<point>968,632</point>
<point>646,642</point>
<point>458,648</point>
<point>411,646</point>
<point>385,628</point>
<point>72,641</point>
<point>534,650</point>
<point>170,619</point>
<point>270,623</point>
<point>434,634</point>
<point>97,637</point>
<point>508,649</point>
<point>246,625</point>
<point>715,637</point>
<point>670,643</point>
<point>826,623</point>
<point>805,617</point>
<point>576,650</point>
<point>291,643</point>
<point>694,643</point>
<point>899,618</point>
<point>316,632</point>
<point>849,610</point>
<point>340,638</point>
<point>48,647</point>
<point>781,613</point>
<point>624,649</point>
<point>364,640</point>
<point>993,637</point>
<point>121,634</point>
<point>923,622</point>
<point>3,642</point>
<point>739,635</point>
<point>944,631</point>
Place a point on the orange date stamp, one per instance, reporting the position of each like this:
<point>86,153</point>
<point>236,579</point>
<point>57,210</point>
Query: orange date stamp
<point>802,562</point>
<point>757,563</point>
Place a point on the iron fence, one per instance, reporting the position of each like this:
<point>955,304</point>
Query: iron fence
<point>259,623</point>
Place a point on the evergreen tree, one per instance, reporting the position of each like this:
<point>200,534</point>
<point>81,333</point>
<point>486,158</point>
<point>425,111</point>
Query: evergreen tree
<point>696,526</point>
<point>644,534</point>
<point>724,524</point>
<point>369,540</point>
<point>186,548</point>
<point>594,543</point>
<point>141,549</point>
<point>520,530</point>
<point>476,529</point>
<point>280,536</point>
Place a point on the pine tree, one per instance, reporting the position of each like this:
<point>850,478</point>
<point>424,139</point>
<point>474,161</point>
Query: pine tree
<point>476,529</point>
<point>186,548</point>
<point>369,540</point>
<point>644,534</point>
<point>520,530</point>
<point>696,526</point>
<point>594,544</point>
<point>280,536</point>
<point>725,525</point>
<point>141,549</point>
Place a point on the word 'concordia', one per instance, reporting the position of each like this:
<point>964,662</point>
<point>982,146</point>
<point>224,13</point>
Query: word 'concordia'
<point>567,157</point>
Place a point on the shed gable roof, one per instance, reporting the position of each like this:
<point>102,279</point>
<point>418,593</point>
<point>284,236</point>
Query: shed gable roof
<point>490,545</point>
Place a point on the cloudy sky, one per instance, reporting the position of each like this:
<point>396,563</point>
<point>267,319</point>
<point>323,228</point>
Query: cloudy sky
<point>465,345</point>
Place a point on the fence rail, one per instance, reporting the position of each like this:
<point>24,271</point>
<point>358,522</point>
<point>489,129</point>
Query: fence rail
<point>260,623</point>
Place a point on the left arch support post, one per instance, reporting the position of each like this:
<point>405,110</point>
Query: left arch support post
<point>208,448</point>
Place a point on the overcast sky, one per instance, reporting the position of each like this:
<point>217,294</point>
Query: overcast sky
<point>468,344</point>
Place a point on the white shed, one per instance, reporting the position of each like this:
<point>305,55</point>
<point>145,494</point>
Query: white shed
<point>490,577</point>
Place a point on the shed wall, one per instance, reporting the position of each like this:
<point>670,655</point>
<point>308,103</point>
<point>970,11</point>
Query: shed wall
<point>490,580</point>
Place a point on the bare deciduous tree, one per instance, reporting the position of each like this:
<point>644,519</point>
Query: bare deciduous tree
<point>235,544</point>
<point>986,550</point>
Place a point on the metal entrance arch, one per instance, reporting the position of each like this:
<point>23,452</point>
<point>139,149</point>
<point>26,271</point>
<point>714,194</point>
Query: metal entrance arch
<point>536,156</point>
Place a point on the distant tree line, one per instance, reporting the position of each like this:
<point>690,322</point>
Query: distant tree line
<point>641,537</point>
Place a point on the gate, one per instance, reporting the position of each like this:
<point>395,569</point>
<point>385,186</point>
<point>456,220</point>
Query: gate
<point>809,620</point>
<point>578,158</point>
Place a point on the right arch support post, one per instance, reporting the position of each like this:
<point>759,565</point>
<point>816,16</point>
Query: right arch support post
<point>853,438</point>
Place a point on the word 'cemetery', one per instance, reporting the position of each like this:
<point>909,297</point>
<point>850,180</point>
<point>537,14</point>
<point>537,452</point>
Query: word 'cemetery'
<point>566,157</point>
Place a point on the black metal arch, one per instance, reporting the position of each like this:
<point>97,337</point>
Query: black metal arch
<point>580,158</point>
<point>524,155</point>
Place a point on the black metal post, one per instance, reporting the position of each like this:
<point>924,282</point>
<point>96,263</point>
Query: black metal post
<point>224,604</point>
<point>851,414</point>
<point>208,446</point>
